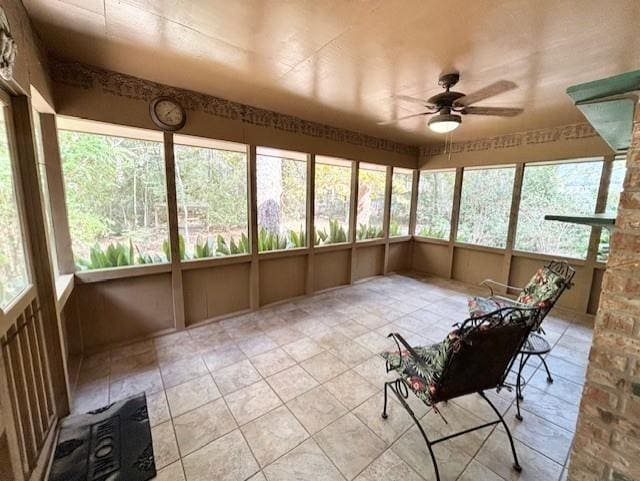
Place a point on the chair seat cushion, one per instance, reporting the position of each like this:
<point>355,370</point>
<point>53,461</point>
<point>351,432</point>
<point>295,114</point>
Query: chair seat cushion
<point>422,377</point>
<point>479,306</point>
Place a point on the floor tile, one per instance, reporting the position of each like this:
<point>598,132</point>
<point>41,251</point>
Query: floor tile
<point>202,425</point>
<point>165,448</point>
<point>477,472</point>
<point>135,364</point>
<point>148,382</point>
<point>173,472</point>
<point>549,407</point>
<point>496,455</point>
<point>412,448</point>
<point>131,349</point>
<point>236,376</point>
<point>316,409</point>
<point>177,372</point>
<point>303,349</point>
<point>252,401</point>
<point>567,370</point>
<point>272,362</point>
<point>324,366</point>
<point>350,389</point>
<point>374,370</point>
<point>253,346</point>
<point>226,459</point>
<point>561,388</point>
<point>351,353</point>
<point>375,342</point>
<point>390,429</point>
<point>291,382</point>
<point>273,434</point>
<point>389,467</point>
<point>305,463</point>
<point>191,394</point>
<point>541,435</point>
<point>350,445</point>
<point>220,358</point>
<point>158,408</point>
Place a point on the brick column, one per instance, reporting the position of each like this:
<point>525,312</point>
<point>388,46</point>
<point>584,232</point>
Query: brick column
<point>607,441</point>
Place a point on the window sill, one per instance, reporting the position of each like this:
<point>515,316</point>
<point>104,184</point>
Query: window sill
<point>64,288</point>
<point>101,275</point>
<point>215,261</point>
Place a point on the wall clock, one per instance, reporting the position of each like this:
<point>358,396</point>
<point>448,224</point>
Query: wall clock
<point>167,114</point>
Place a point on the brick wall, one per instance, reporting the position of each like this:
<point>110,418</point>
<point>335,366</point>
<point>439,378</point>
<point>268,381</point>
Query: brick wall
<point>607,442</point>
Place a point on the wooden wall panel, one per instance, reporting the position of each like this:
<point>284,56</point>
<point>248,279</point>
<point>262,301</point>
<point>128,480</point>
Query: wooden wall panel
<point>282,278</point>
<point>331,269</point>
<point>473,266</point>
<point>431,258</point>
<point>522,269</point>
<point>596,287</point>
<point>369,261</point>
<point>215,291</point>
<point>121,310</point>
<point>399,257</point>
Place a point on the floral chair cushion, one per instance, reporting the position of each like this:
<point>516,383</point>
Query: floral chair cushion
<point>539,292</point>
<point>541,289</point>
<point>422,377</point>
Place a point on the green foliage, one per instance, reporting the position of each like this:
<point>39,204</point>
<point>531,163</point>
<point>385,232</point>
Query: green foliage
<point>435,199</point>
<point>204,249</point>
<point>166,248</point>
<point>297,239</point>
<point>144,258</point>
<point>336,234</point>
<point>242,247</point>
<point>368,231</point>
<point>435,231</point>
<point>268,241</point>
<point>115,255</point>
<point>394,229</point>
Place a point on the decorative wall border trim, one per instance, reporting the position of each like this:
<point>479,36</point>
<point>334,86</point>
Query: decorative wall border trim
<point>86,76</point>
<point>518,139</point>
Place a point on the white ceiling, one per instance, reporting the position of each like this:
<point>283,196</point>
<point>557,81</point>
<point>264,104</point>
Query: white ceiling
<point>341,61</point>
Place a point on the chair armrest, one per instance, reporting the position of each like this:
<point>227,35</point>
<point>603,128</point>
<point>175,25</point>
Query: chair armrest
<point>400,340</point>
<point>490,282</point>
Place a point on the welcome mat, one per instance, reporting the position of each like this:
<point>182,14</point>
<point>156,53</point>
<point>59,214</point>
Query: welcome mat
<point>112,443</point>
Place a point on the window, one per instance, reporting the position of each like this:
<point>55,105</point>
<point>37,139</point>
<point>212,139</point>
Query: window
<point>116,195</point>
<point>281,179</point>
<point>371,187</point>
<point>44,189</point>
<point>211,190</point>
<point>563,189</point>
<point>332,200</point>
<point>616,182</point>
<point>485,204</point>
<point>13,264</point>
<point>401,183</point>
<point>435,200</point>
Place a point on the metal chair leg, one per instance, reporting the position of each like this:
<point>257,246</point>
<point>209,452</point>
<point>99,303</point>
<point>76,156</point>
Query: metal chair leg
<point>384,409</point>
<point>546,368</point>
<point>516,464</point>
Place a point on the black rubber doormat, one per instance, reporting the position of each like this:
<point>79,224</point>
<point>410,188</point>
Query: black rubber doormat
<point>112,443</point>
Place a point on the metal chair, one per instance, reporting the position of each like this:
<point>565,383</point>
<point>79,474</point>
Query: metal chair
<point>476,356</point>
<point>543,291</point>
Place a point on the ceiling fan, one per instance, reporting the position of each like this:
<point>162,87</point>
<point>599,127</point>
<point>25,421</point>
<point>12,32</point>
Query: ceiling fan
<point>448,105</point>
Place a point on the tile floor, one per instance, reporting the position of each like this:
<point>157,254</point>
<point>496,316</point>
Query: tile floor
<point>294,392</point>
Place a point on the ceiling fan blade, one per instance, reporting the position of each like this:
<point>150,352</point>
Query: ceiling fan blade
<point>393,121</point>
<point>415,100</point>
<point>497,111</point>
<point>489,91</point>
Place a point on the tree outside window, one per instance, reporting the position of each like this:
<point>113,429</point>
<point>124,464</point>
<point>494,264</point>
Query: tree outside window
<point>401,183</point>
<point>13,265</point>
<point>371,187</point>
<point>211,190</point>
<point>332,200</point>
<point>281,178</point>
<point>116,197</point>
<point>435,200</point>
<point>485,204</point>
<point>569,188</point>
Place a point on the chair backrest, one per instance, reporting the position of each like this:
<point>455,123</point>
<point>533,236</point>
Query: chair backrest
<point>482,350</point>
<point>546,286</point>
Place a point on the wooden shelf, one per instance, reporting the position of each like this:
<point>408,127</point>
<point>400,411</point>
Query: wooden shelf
<point>595,220</point>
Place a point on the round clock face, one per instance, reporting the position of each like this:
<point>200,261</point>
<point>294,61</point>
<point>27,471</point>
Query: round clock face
<point>167,114</point>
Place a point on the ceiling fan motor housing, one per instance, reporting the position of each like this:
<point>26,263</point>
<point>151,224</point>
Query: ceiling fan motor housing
<point>448,80</point>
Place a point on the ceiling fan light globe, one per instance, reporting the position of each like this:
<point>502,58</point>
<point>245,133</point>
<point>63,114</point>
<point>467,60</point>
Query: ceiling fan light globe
<point>444,123</point>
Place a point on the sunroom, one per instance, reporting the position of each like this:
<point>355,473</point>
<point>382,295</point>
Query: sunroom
<point>288,240</point>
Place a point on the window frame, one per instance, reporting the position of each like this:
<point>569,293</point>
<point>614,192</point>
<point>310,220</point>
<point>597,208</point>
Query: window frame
<point>215,144</point>
<point>450,237</point>
<point>20,301</point>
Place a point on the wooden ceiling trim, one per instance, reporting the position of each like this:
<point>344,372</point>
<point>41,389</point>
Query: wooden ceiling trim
<point>86,77</point>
